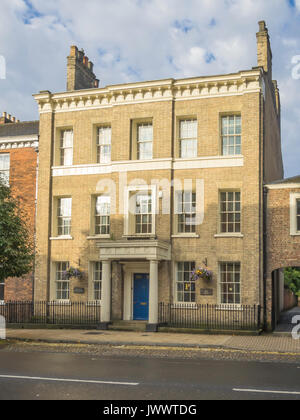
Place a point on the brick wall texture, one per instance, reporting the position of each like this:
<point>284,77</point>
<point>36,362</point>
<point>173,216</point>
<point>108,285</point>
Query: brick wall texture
<point>23,164</point>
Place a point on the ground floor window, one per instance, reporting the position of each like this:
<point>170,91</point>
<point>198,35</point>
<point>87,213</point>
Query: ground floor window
<point>230,279</point>
<point>97,280</point>
<point>62,283</point>
<point>185,286</point>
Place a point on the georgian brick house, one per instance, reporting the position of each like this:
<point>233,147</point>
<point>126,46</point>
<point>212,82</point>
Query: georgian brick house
<point>18,165</point>
<point>140,183</point>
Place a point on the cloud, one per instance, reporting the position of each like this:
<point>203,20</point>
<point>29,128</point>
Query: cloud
<point>132,40</point>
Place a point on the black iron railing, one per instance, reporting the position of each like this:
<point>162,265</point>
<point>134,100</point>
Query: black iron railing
<point>210,317</point>
<point>56,313</point>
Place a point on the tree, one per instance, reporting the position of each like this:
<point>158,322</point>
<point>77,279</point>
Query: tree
<point>16,245</point>
<point>292,279</point>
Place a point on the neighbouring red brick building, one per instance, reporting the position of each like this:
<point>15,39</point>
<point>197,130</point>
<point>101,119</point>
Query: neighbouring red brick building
<point>282,240</point>
<point>18,164</point>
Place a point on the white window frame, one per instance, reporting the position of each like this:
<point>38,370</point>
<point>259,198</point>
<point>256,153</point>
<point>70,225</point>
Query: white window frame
<point>192,140</point>
<point>61,281</point>
<point>5,173</point>
<point>220,293</point>
<point>188,304</point>
<point>294,197</point>
<point>179,213</point>
<point>139,142</point>
<point>234,212</point>
<point>129,230</point>
<point>228,136</point>
<point>62,217</point>
<point>63,147</point>
<point>92,281</point>
<point>105,214</point>
<point>103,143</point>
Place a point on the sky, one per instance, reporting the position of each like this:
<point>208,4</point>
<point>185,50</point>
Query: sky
<point>139,40</point>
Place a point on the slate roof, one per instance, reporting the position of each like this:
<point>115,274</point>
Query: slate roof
<point>293,180</point>
<point>19,129</point>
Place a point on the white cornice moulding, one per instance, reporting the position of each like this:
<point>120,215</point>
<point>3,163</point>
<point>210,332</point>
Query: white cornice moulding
<point>153,165</point>
<point>19,142</point>
<point>156,91</point>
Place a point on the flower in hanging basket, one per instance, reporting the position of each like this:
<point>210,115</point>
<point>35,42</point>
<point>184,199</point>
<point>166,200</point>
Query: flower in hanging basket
<point>201,273</point>
<point>72,272</point>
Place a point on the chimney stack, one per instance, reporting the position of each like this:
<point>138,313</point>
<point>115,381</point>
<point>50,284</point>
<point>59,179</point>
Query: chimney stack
<point>80,71</point>
<point>264,52</point>
<point>7,119</point>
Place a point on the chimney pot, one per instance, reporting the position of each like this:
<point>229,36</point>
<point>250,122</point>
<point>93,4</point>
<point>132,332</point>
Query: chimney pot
<point>262,26</point>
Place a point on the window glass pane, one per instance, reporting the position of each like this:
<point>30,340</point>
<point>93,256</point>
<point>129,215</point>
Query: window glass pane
<point>230,283</point>
<point>231,135</point>
<point>62,284</point>
<point>1,291</point>
<point>186,287</point>
<point>66,148</point>
<point>4,167</point>
<point>188,138</point>
<point>104,145</point>
<point>230,212</point>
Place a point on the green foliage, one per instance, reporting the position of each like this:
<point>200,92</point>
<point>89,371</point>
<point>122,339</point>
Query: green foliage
<point>16,247</point>
<point>292,280</point>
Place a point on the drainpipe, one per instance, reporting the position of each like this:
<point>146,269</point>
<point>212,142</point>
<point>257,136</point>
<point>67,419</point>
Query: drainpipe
<point>265,254</point>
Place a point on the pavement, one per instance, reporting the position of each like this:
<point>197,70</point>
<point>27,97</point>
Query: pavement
<point>264,343</point>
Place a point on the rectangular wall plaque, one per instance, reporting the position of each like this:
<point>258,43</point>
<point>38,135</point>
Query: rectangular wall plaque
<point>79,290</point>
<point>206,292</point>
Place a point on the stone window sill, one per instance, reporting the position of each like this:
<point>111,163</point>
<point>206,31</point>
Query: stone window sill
<point>95,237</point>
<point>186,235</point>
<point>61,238</point>
<point>229,235</point>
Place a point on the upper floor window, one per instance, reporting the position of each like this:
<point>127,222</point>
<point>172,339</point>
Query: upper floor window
<point>295,214</point>
<point>62,283</point>
<point>104,145</point>
<point>144,141</point>
<point>143,213</point>
<point>230,283</point>
<point>185,286</point>
<point>186,212</point>
<point>64,214</point>
<point>4,167</point>
<point>231,135</point>
<point>140,210</point>
<point>66,148</point>
<point>188,138</point>
<point>102,215</point>
<point>230,211</point>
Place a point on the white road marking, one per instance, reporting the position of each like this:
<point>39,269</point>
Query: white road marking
<point>36,378</point>
<point>260,391</point>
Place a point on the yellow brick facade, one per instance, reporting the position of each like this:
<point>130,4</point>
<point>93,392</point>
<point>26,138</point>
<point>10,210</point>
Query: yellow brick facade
<point>248,94</point>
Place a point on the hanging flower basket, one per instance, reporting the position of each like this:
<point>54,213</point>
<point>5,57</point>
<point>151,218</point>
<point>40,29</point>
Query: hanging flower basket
<point>201,273</point>
<point>72,272</point>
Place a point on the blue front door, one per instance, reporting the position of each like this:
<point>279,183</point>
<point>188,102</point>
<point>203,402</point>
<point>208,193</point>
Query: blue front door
<point>141,297</point>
